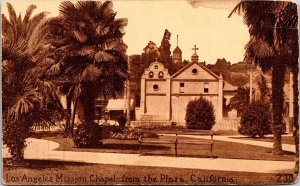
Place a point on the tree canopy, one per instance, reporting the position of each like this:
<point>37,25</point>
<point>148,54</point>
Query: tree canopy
<point>88,51</point>
<point>28,98</point>
<point>273,46</point>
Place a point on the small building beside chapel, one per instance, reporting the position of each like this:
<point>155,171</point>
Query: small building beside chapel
<point>165,97</point>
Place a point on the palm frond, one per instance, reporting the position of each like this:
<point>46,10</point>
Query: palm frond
<point>6,25</point>
<point>259,48</point>
<point>117,45</point>
<point>84,51</point>
<point>24,103</point>
<point>28,14</point>
<point>35,21</point>
<point>12,14</point>
<point>79,36</point>
<point>66,9</point>
<point>91,73</point>
<point>237,8</point>
<point>54,69</point>
<point>102,56</point>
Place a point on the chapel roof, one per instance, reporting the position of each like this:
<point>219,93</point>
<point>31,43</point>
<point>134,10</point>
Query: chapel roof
<point>192,63</point>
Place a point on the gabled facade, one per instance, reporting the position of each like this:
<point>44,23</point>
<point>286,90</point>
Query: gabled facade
<point>166,98</point>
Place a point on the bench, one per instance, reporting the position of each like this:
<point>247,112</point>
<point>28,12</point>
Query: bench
<point>178,137</point>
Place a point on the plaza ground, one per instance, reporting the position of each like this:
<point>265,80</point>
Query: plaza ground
<point>234,161</point>
<point>221,149</point>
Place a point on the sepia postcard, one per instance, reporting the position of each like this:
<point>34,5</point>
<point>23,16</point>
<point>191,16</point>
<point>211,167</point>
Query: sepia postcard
<point>154,92</point>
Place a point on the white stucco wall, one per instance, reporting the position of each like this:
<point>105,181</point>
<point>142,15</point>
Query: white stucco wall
<point>168,103</point>
<point>194,87</point>
<point>156,106</point>
<point>179,105</point>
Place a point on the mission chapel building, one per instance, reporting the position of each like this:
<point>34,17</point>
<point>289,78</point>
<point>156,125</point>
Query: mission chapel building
<point>165,97</point>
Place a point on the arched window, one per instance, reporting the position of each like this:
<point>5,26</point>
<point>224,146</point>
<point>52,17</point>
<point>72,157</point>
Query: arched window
<point>156,66</point>
<point>155,87</point>
<point>151,74</point>
<point>160,74</point>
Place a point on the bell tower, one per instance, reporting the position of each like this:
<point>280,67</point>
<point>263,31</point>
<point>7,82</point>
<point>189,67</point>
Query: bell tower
<point>177,54</point>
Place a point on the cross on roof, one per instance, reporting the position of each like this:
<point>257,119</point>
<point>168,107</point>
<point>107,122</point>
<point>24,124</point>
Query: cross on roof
<point>195,48</point>
<point>156,58</point>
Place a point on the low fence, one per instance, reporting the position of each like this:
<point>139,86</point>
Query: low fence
<point>140,123</point>
<point>228,124</point>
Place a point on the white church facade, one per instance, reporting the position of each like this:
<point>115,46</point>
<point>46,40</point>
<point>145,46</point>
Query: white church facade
<point>165,97</point>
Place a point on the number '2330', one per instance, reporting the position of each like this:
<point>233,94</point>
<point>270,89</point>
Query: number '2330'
<point>285,178</point>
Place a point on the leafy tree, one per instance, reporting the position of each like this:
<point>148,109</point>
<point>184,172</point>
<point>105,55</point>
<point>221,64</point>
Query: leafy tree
<point>135,75</point>
<point>165,53</point>
<point>178,66</point>
<point>273,42</point>
<point>151,53</point>
<point>221,66</point>
<point>256,120</point>
<point>200,114</point>
<point>28,98</point>
<point>236,74</point>
<point>89,52</point>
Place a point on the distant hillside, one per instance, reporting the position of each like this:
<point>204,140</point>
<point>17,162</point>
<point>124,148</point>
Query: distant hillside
<point>237,74</point>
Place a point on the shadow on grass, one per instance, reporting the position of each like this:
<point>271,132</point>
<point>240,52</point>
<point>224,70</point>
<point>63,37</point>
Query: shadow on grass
<point>40,164</point>
<point>197,156</point>
<point>285,139</point>
<point>117,147</point>
<point>132,147</point>
<point>44,134</point>
<point>225,133</point>
<point>286,153</point>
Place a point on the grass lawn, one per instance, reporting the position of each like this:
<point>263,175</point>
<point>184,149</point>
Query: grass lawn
<point>285,139</point>
<point>221,149</point>
<point>54,172</point>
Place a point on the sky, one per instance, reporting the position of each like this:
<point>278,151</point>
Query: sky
<point>197,22</point>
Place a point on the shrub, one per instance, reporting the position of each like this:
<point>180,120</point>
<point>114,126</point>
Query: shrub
<point>105,131</point>
<point>122,122</point>
<point>200,114</point>
<point>131,134</point>
<point>256,120</point>
<point>14,137</point>
<point>87,135</point>
<point>172,127</point>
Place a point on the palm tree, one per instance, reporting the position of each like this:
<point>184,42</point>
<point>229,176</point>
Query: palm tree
<point>27,97</point>
<point>88,50</point>
<point>273,42</point>
<point>241,100</point>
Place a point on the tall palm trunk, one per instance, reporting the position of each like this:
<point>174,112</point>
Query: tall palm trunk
<point>296,115</point>
<point>68,114</point>
<point>277,103</point>
<point>88,100</point>
<point>88,104</point>
<point>73,116</point>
